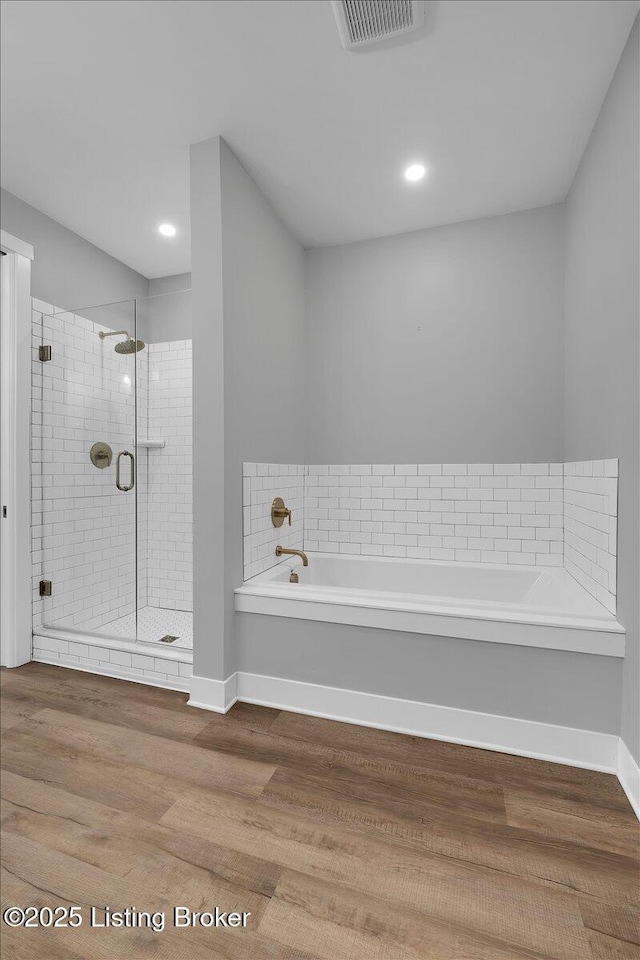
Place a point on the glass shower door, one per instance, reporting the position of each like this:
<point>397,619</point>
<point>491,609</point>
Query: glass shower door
<point>85,480</point>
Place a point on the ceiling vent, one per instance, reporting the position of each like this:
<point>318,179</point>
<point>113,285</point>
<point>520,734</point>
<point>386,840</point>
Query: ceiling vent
<point>362,23</point>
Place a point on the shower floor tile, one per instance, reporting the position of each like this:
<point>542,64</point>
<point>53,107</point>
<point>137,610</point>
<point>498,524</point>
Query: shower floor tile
<point>154,623</point>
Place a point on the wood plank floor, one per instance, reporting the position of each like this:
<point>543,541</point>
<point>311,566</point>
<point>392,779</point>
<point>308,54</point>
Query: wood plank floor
<point>344,843</point>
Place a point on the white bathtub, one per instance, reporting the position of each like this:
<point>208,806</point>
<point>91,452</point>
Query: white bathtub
<point>527,606</point>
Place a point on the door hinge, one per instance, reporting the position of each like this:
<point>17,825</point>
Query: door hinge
<point>45,588</point>
<point>44,352</point>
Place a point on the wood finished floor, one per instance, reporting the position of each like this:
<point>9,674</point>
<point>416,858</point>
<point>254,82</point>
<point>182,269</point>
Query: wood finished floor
<point>345,843</point>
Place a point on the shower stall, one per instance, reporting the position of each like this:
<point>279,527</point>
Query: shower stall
<point>112,474</point>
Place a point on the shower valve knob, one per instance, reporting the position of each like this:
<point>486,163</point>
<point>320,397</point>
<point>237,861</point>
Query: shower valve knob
<point>279,513</point>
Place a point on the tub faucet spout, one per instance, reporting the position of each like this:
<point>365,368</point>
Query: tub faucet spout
<point>280,551</point>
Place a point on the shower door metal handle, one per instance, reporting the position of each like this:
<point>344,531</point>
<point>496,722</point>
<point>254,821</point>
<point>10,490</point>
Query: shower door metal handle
<point>123,486</point>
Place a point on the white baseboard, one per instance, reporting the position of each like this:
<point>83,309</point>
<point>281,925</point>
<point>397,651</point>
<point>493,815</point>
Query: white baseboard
<point>216,695</point>
<point>629,776</point>
<point>526,738</point>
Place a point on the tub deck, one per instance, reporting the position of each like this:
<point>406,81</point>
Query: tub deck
<point>527,606</point>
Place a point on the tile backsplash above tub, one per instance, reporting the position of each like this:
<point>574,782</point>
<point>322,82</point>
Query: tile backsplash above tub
<point>544,514</point>
<point>480,513</point>
<point>590,526</point>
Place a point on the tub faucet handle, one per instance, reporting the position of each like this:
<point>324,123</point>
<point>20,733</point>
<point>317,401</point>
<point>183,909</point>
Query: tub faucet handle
<point>279,512</point>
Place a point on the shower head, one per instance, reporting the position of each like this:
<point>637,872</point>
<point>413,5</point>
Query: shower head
<point>126,346</point>
<point>130,346</point>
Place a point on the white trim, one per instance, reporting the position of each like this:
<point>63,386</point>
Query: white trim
<point>629,776</point>
<point>13,245</point>
<point>216,695</point>
<point>609,641</point>
<point>525,738</point>
<point>15,409</point>
<point>118,673</point>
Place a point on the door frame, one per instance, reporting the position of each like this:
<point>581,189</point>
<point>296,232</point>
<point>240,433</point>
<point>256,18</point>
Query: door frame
<point>15,459</point>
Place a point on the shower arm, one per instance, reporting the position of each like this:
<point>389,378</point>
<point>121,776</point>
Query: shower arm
<point>114,333</point>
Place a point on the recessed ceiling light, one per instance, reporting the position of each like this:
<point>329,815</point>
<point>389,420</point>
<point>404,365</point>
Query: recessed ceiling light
<point>167,230</point>
<point>415,172</point>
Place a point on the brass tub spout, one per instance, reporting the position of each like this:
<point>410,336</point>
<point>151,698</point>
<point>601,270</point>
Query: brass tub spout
<point>280,551</point>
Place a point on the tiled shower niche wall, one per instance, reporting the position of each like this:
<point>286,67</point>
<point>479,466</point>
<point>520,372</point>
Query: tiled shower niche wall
<point>83,528</point>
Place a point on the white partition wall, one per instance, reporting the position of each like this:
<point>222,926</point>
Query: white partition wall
<point>15,401</point>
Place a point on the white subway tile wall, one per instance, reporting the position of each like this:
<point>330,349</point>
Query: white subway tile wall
<point>545,514</point>
<point>142,482</point>
<point>261,483</point>
<point>83,528</point>
<point>139,666</point>
<point>590,526</point>
<point>169,499</point>
<point>480,513</point>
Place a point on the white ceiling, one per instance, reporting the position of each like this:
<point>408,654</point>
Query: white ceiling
<point>101,99</point>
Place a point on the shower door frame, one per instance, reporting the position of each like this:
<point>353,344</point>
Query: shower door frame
<point>93,647</point>
<point>119,425</point>
<point>15,408</point>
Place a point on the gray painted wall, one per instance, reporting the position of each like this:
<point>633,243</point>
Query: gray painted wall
<point>264,349</point>
<point>550,686</point>
<point>443,345</point>
<point>166,314</point>
<point>249,397</point>
<point>68,271</point>
<point>264,306</point>
<point>601,335</point>
<point>162,285</point>
<point>208,412</point>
